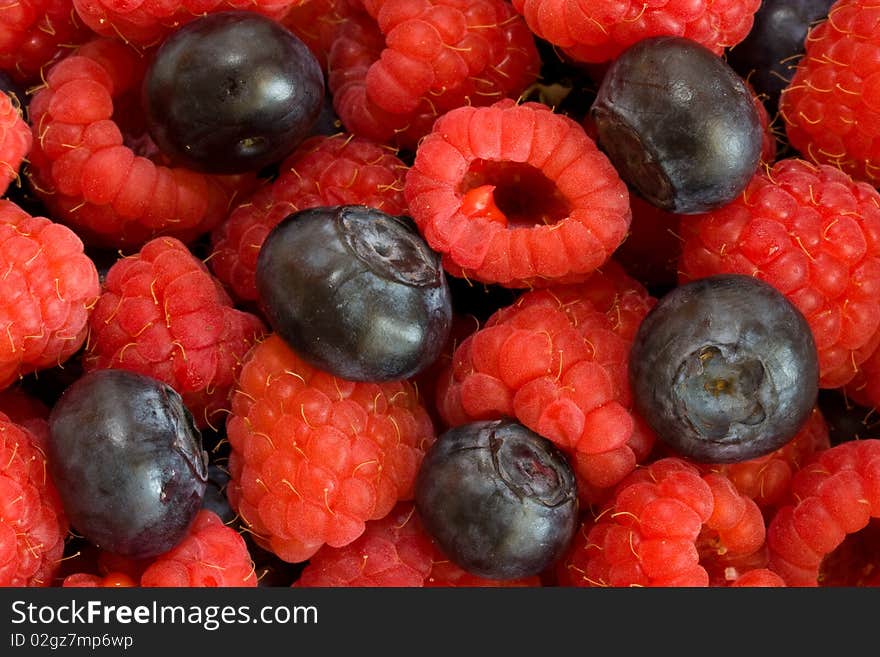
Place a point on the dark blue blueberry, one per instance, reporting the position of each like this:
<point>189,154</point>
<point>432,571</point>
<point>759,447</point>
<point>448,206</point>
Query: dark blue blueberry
<point>355,291</point>
<point>232,92</point>
<point>498,499</point>
<point>724,369</point>
<point>127,460</point>
<point>679,125</point>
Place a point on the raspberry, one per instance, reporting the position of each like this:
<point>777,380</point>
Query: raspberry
<point>90,179</point>
<point>34,33</point>
<point>831,107</point>
<point>767,479</point>
<point>444,573</point>
<point>600,31</point>
<point>162,314</point>
<point>314,456</point>
<point>836,496</point>
<point>48,290</point>
<point>315,22</point>
<point>762,577</point>
<point>147,23</point>
<point>15,141</point>
<point>400,64</point>
<point>556,360</point>
<point>212,554</point>
<point>665,524</point>
<point>516,195</point>
<point>813,233</point>
<point>33,525</point>
<point>337,170</point>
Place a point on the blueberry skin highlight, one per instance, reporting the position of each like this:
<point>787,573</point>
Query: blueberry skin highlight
<point>498,499</point>
<point>127,460</point>
<point>678,124</point>
<point>724,369</point>
<point>355,292</point>
<point>232,92</point>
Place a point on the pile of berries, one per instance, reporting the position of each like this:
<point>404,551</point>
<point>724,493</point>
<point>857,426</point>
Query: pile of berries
<point>439,293</point>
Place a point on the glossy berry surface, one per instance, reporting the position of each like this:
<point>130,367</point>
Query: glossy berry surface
<point>498,499</point>
<point>678,124</point>
<point>127,460</point>
<point>356,292</point>
<point>724,369</point>
<point>232,92</point>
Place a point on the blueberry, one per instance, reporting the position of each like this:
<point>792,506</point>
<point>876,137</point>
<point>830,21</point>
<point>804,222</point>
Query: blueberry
<point>355,292</point>
<point>768,56</point>
<point>679,125</point>
<point>498,499</point>
<point>232,92</point>
<point>127,460</point>
<point>724,369</point>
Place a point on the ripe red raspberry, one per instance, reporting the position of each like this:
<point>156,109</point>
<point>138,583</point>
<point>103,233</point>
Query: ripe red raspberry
<point>211,554</point>
<point>835,499</point>
<point>767,479</point>
<point>314,456</point>
<point>516,195</point>
<point>759,577</point>
<point>599,31</point>
<point>337,170</point>
<point>664,526</point>
<point>33,525</point>
<point>315,22</point>
<point>812,232</point>
<point>162,314</point>
<point>831,107</point>
<point>47,291</point>
<point>91,179</point>
<point>34,33</point>
<point>400,64</point>
<point>557,359</point>
<point>15,141</point>
<point>147,22</point>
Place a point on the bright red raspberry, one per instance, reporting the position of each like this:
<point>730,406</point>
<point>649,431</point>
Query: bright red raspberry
<point>315,22</point>
<point>162,313</point>
<point>663,527</point>
<point>767,479</point>
<point>48,289</point>
<point>147,22</point>
<point>600,30</point>
<point>314,456</point>
<point>557,359</point>
<point>516,195</point>
<point>211,554</point>
<point>759,577</point>
<point>831,107</point>
<point>35,33</point>
<point>84,170</point>
<point>33,525</point>
<point>812,232</point>
<point>820,538</point>
<point>15,141</point>
<point>400,64</point>
<point>337,170</point>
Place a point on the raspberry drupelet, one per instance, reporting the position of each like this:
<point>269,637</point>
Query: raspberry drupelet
<point>665,526</point>
<point>831,107</point>
<point>48,292</point>
<point>315,456</point>
<point>599,31</point>
<point>516,195</point>
<point>84,170</point>
<point>324,170</point>
<point>556,359</point>
<point>398,65</point>
<point>812,232</point>
<point>33,524</point>
<point>161,313</point>
<point>15,141</point>
<point>828,532</point>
